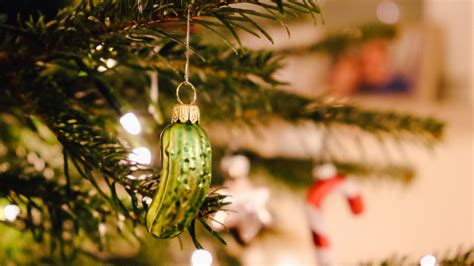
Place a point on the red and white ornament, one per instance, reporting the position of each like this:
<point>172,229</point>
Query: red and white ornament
<point>328,181</point>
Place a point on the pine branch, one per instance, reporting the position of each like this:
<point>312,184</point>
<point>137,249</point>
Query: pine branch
<point>92,24</point>
<point>297,172</point>
<point>51,213</point>
<point>248,94</point>
<point>242,85</point>
<point>375,121</point>
<point>55,209</point>
<point>340,42</point>
<point>52,210</point>
<point>296,108</point>
<point>90,149</point>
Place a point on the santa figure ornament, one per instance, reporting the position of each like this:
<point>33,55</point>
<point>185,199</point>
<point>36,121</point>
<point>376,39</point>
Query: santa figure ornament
<point>248,213</point>
<point>328,181</point>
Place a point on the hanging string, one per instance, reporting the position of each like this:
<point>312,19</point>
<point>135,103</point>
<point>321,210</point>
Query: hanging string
<point>186,66</point>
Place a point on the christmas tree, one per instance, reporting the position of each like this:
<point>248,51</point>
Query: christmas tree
<point>87,88</point>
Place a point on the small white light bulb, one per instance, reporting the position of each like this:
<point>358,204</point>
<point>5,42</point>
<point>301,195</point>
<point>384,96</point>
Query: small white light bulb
<point>140,155</point>
<point>131,124</point>
<point>201,257</point>
<point>102,229</point>
<point>325,171</point>
<point>110,63</point>
<point>428,260</point>
<point>101,69</point>
<point>147,200</point>
<point>11,211</point>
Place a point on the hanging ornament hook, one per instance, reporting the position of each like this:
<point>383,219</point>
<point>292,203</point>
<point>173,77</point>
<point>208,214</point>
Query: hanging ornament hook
<point>190,85</point>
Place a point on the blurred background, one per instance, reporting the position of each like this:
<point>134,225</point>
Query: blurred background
<point>411,56</point>
<point>405,55</point>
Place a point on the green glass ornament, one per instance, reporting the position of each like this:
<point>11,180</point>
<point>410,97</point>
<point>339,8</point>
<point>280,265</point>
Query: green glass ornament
<point>186,175</point>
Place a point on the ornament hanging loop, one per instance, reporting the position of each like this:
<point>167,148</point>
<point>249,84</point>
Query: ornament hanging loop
<point>190,85</point>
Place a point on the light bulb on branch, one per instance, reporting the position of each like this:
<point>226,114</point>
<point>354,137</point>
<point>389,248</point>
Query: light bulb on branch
<point>130,123</point>
<point>11,211</point>
<point>140,155</point>
<point>428,260</point>
<point>201,257</point>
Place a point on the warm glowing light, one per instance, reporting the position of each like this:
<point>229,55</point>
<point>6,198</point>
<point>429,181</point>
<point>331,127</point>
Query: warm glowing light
<point>147,200</point>
<point>428,260</point>
<point>130,122</point>
<point>140,155</point>
<point>324,171</point>
<point>139,177</point>
<point>201,257</point>
<point>102,229</point>
<point>388,12</point>
<point>110,63</point>
<point>101,69</point>
<point>11,211</point>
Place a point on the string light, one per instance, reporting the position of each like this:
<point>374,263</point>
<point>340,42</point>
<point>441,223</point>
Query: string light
<point>110,63</point>
<point>101,69</point>
<point>131,124</point>
<point>428,260</point>
<point>201,257</point>
<point>138,177</point>
<point>147,200</point>
<point>102,228</point>
<point>140,155</point>
<point>11,211</point>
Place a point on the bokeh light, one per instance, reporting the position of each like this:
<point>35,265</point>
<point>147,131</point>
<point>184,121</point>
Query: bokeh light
<point>428,260</point>
<point>11,211</point>
<point>201,257</point>
<point>140,155</point>
<point>130,123</point>
<point>388,12</point>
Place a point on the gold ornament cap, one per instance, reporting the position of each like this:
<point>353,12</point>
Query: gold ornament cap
<point>185,113</point>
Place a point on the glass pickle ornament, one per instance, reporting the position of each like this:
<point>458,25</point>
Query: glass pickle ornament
<point>186,175</point>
